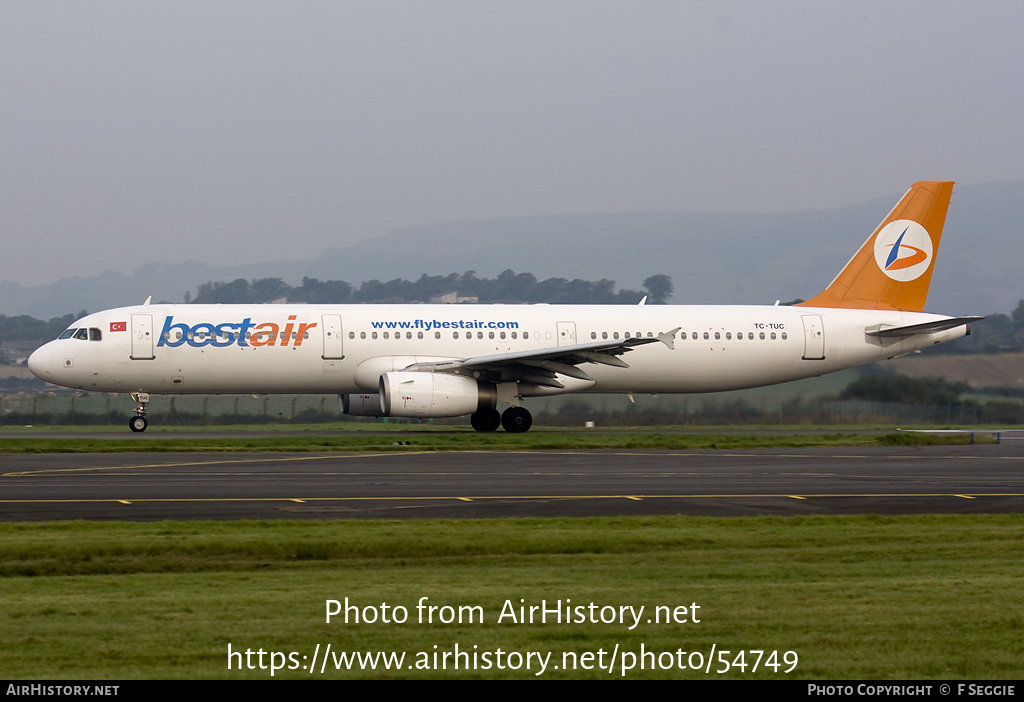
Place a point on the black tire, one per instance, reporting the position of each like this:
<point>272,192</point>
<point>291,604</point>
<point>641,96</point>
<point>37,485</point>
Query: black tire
<point>485,420</point>
<point>138,424</point>
<point>516,420</point>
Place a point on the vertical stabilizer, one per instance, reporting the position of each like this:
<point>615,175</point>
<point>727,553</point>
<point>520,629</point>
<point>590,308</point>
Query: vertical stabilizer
<point>893,269</point>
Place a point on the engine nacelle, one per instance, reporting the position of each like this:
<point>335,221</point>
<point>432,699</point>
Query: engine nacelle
<point>361,405</point>
<point>412,394</point>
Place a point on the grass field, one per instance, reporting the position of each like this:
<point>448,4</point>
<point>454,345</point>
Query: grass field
<point>844,597</point>
<point>424,439</point>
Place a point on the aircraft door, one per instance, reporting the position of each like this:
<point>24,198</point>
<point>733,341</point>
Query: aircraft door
<point>331,325</point>
<point>566,333</point>
<point>142,337</point>
<point>814,337</point>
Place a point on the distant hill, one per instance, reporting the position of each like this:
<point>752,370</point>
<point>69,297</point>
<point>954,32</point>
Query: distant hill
<point>1002,370</point>
<point>711,258</point>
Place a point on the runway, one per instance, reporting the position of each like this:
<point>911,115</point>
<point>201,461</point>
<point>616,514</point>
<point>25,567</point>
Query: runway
<point>144,487</point>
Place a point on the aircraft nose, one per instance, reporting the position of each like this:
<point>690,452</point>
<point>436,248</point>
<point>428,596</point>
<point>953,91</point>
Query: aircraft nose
<point>40,362</point>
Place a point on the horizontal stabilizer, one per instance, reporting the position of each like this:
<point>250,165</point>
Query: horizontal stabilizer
<point>926,328</point>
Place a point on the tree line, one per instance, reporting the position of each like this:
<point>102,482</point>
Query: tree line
<point>22,327</point>
<point>995,333</point>
<point>508,287</point>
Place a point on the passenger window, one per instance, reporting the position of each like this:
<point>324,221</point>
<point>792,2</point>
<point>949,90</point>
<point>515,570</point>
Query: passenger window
<point>694,336</point>
<point>706,336</point>
<point>728,336</point>
<point>351,335</point>
<point>762,336</point>
<point>773,336</point>
<point>784,337</point>
<point>502,335</point>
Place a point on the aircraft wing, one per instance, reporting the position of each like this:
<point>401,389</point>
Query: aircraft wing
<point>540,366</point>
<point>926,328</point>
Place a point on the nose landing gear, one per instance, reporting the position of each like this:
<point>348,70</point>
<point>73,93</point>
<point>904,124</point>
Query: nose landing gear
<point>138,422</point>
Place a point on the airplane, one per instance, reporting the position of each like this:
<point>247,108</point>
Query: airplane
<point>454,360</point>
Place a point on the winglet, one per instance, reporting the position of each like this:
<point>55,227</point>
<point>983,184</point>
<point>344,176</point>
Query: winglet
<point>893,269</point>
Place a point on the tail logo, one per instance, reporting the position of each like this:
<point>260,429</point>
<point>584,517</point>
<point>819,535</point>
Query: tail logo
<point>903,250</point>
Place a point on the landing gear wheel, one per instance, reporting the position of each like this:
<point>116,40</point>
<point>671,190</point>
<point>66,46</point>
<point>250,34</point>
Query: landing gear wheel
<point>485,420</point>
<point>516,420</point>
<point>138,422</point>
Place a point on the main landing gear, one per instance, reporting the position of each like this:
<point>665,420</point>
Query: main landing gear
<point>515,420</point>
<point>138,422</point>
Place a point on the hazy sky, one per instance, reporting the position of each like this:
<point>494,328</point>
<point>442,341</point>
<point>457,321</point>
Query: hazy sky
<point>237,132</point>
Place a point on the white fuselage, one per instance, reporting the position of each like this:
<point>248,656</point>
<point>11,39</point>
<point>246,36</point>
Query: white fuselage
<point>346,348</point>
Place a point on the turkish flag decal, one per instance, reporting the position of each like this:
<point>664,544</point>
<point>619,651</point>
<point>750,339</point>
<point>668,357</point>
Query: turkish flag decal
<point>118,326</point>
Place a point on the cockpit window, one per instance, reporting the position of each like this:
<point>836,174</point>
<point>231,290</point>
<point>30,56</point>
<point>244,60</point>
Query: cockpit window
<point>86,334</point>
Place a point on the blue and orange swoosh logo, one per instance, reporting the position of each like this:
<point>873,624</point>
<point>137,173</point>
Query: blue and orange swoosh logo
<point>895,263</point>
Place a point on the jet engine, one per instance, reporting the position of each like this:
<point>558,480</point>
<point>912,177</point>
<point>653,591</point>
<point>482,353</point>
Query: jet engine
<point>413,394</point>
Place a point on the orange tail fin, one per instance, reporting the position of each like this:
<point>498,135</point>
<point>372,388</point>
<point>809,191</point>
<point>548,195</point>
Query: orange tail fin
<point>893,269</point>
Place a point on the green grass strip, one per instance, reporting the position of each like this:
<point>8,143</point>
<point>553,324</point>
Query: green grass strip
<point>861,597</point>
<point>472,441</point>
